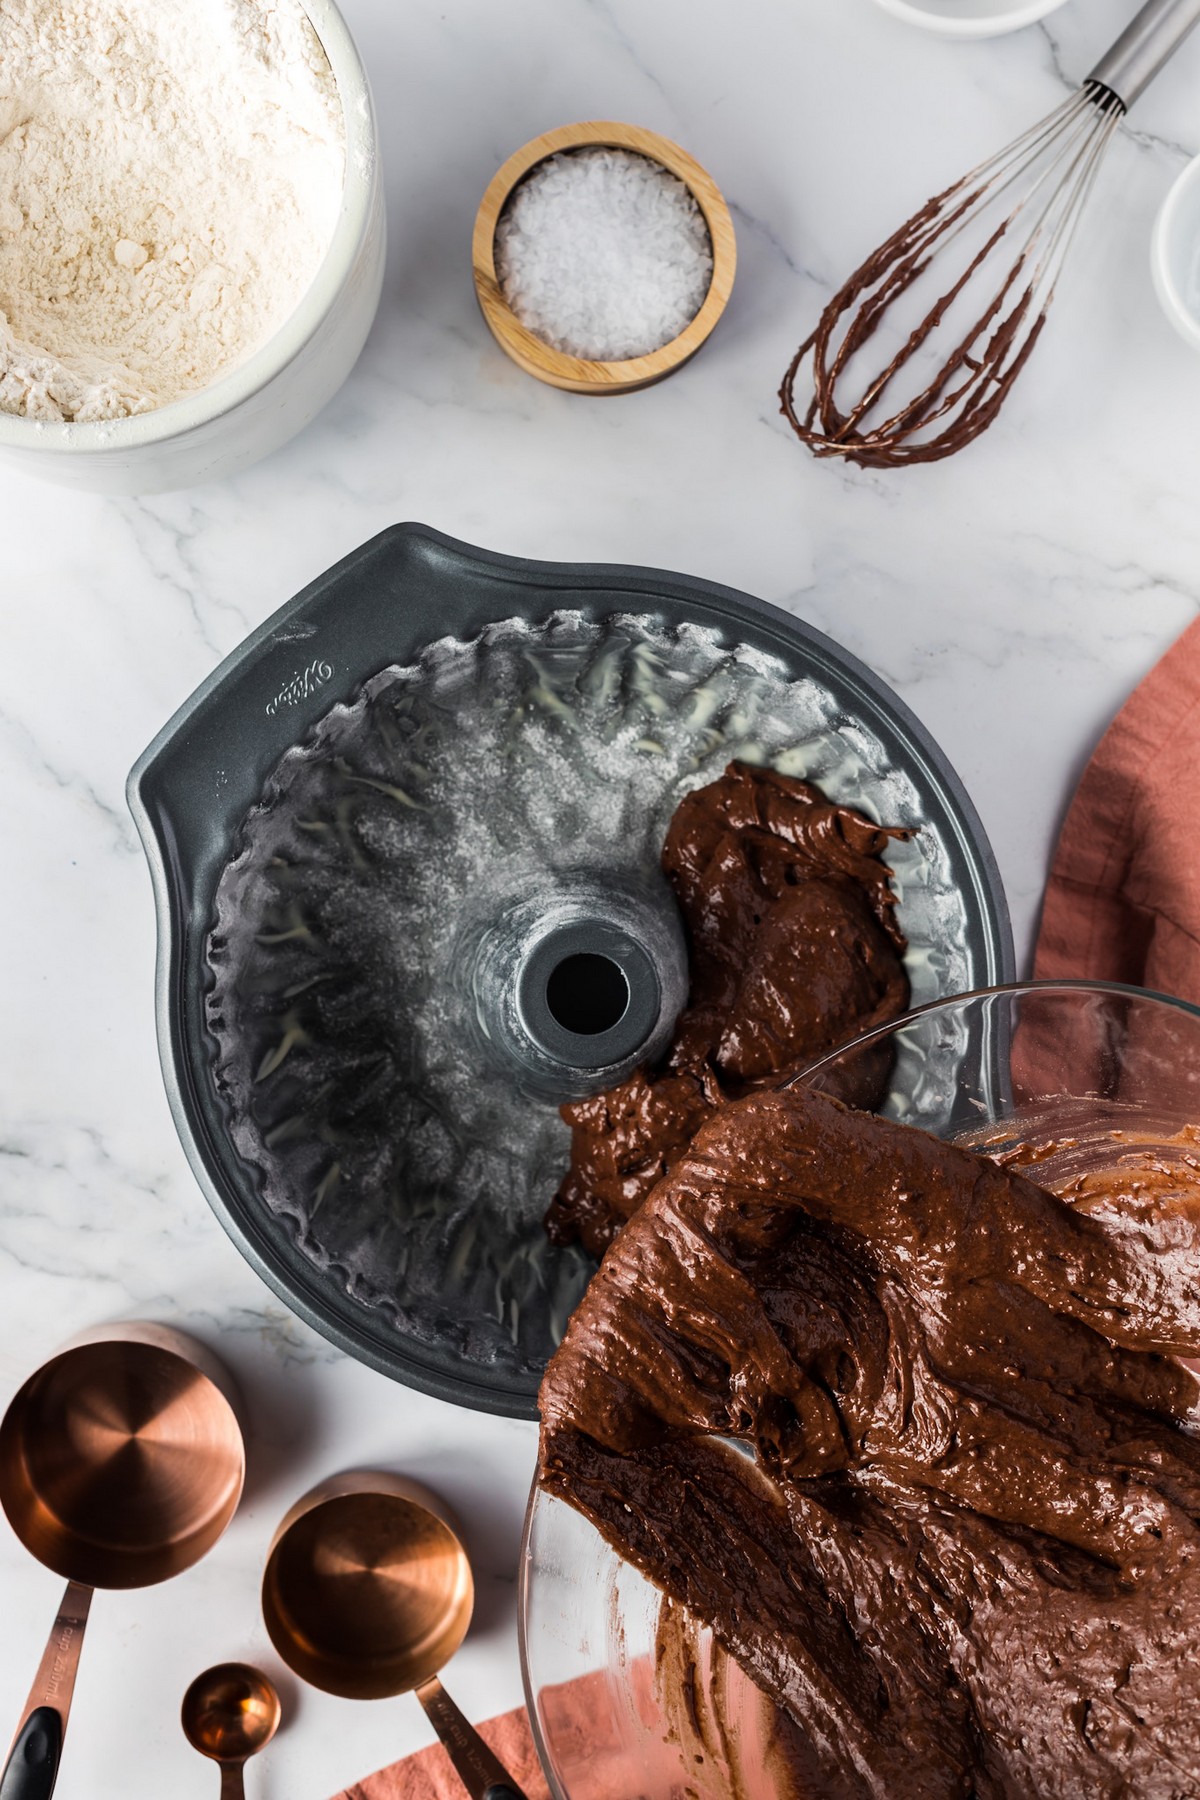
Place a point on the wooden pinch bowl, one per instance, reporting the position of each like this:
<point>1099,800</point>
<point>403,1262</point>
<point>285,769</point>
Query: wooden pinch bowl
<point>577,374</point>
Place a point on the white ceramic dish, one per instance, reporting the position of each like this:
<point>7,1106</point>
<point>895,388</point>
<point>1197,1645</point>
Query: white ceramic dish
<point>1175,254</point>
<point>969,18</point>
<point>273,395</point>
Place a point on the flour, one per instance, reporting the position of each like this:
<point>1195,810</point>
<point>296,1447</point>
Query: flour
<point>170,178</point>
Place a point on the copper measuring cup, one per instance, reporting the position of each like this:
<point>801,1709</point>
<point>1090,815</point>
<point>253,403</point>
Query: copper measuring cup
<point>368,1593</point>
<point>121,1463</point>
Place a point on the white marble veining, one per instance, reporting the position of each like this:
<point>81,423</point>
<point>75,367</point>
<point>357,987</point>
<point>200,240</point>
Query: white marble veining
<point>1012,596</point>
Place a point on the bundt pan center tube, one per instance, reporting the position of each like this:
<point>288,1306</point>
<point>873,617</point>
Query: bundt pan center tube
<point>406,850</point>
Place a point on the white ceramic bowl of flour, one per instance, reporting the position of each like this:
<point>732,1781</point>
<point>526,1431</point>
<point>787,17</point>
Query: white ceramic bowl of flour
<point>219,429</point>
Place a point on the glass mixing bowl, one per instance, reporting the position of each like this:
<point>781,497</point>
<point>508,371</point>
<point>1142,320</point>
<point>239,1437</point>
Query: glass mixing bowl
<point>1071,1081</point>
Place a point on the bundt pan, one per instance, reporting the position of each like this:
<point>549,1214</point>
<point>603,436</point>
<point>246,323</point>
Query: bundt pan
<point>405,848</point>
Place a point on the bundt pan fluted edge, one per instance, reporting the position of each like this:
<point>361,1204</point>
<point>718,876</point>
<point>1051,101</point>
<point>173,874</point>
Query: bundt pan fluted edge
<point>191,789</point>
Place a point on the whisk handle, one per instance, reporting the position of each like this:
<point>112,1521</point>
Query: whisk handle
<point>1144,46</point>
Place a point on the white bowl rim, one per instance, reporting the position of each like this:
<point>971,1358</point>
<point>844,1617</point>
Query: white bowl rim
<point>1012,18</point>
<point>1181,315</point>
<point>119,436</point>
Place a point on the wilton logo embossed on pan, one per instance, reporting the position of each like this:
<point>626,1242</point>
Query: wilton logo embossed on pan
<point>303,683</point>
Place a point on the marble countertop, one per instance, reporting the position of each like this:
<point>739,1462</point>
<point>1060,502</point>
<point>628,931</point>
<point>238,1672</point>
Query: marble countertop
<point>1012,596</point>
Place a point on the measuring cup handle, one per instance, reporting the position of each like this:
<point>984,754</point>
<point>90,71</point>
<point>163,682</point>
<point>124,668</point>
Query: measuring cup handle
<point>481,1773</point>
<point>32,1766</point>
<point>233,1786</point>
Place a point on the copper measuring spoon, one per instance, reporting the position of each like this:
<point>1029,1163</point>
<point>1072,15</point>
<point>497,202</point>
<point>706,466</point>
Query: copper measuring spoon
<point>121,1463</point>
<point>368,1593</point>
<point>229,1714</point>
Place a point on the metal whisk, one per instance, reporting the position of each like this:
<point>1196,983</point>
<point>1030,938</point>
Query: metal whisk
<point>1011,221</point>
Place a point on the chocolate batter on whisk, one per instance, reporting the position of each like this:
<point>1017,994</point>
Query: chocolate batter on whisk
<point>1013,219</point>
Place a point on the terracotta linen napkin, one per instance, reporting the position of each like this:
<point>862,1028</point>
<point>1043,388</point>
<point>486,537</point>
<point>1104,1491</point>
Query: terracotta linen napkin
<point>429,1776</point>
<point>1123,899</point>
<point>593,1725</point>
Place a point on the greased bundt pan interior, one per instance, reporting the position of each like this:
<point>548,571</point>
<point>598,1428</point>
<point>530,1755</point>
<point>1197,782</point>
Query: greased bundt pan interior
<point>394,837</point>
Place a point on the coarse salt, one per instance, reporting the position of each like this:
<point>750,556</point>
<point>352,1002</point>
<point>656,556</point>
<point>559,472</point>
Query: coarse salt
<point>604,254</point>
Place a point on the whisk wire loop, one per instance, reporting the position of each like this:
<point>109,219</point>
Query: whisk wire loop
<point>1048,173</point>
<point>916,410</point>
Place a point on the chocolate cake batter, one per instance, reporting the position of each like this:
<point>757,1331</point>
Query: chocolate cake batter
<point>964,1554</point>
<point>794,948</point>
